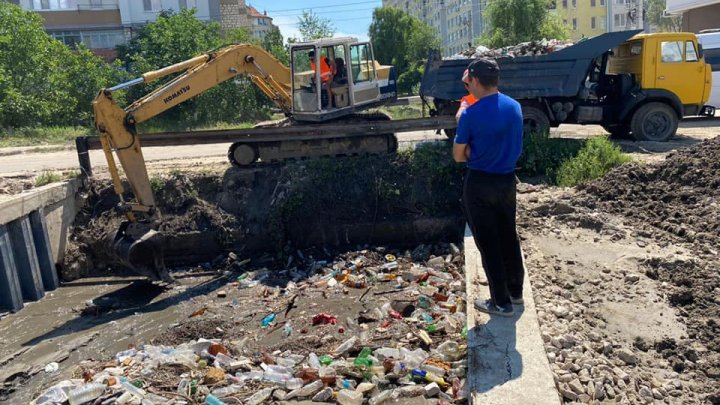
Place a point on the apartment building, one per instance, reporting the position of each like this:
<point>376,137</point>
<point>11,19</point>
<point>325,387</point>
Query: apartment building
<point>457,22</point>
<point>696,15</point>
<point>103,24</point>
<point>624,15</point>
<point>584,18</point>
<point>259,23</point>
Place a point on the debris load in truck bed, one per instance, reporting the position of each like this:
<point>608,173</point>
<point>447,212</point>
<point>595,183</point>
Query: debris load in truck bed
<point>531,48</point>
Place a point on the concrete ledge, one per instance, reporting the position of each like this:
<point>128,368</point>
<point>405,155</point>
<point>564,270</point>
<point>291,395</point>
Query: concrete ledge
<point>10,293</point>
<point>25,203</point>
<point>507,363</point>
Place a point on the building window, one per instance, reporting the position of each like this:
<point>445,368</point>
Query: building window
<point>592,23</point>
<point>602,2</point>
<point>592,3</point>
<point>574,24</point>
<point>619,20</point>
<point>603,24</point>
<point>54,4</point>
<point>564,3</point>
<point>183,4</point>
<point>152,5</point>
<point>574,3</point>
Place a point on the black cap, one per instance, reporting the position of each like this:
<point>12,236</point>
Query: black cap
<point>311,54</point>
<point>484,67</point>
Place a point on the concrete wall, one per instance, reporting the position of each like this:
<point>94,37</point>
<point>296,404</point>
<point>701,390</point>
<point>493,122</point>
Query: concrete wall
<point>701,18</point>
<point>60,204</point>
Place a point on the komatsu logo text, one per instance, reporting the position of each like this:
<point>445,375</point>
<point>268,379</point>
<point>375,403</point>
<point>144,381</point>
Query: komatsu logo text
<point>177,94</point>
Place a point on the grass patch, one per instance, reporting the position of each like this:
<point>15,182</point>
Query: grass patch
<point>593,161</point>
<point>543,156</point>
<point>403,112</point>
<point>41,136</point>
<point>47,178</point>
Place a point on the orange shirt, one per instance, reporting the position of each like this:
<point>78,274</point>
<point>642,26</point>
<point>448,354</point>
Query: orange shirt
<point>469,100</point>
<point>325,70</point>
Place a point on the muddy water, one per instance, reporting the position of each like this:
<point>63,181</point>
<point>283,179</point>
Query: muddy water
<point>64,329</point>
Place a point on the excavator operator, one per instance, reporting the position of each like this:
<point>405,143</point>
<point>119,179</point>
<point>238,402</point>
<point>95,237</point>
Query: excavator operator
<point>326,73</point>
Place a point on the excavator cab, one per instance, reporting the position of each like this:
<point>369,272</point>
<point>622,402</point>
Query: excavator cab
<point>336,77</point>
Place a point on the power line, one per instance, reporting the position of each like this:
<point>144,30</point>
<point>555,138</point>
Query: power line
<point>324,12</point>
<point>326,6</point>
<point>341,19</point>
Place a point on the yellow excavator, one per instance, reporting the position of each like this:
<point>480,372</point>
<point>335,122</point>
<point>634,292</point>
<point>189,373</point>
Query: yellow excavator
<point>304,94</point>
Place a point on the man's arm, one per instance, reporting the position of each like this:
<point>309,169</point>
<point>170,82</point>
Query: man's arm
<point>461,152</point>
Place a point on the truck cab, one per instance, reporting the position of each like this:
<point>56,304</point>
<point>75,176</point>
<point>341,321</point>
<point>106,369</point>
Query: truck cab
<point>627,82</point>
<point>336,77</point>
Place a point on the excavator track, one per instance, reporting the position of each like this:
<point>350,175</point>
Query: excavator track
<point>307,144</point>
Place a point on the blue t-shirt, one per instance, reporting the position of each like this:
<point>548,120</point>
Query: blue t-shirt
<point>493,127</point>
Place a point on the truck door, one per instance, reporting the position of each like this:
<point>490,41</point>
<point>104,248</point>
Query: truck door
<point>680,70</point>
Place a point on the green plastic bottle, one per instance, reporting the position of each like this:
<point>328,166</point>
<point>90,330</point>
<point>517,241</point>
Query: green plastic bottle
<point>362,358</point>
<point>431,328</point>
<point>325,360</point>
<point>464,332</point>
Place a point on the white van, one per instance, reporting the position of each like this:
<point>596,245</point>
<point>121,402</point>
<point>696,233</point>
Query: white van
<point>710,40</point>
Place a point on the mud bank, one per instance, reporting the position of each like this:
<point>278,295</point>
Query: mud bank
<point>406,199</point>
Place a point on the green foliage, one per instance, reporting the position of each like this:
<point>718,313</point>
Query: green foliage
<point>42,81</point>
<point>312,27</point>
<point>542,155</point>
<point>47,177</point>
<point>594,160</point>
<point>403,41</point>
<point>273,43</point>
<point>655,11</point>
<point>173,38</point>
<point>515,21</point>
<point>33,136</point>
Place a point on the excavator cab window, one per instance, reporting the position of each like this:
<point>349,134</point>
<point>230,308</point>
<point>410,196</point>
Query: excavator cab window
<point>305,85</point>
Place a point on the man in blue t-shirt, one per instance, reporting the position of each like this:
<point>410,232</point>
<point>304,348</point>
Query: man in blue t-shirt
<point>489,138</point>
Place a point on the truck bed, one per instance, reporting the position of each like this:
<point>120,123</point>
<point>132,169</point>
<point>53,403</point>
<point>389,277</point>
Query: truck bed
<point>558,74</point>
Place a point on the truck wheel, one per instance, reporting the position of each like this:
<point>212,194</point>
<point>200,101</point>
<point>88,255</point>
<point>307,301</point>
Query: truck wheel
<point>654,122</point>
<point>535,121</point>
<point>619,131</point>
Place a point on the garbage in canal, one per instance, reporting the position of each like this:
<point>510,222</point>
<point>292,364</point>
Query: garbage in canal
<point>305,333</point>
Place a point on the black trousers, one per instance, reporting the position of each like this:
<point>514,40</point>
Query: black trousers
<point>490,207</point>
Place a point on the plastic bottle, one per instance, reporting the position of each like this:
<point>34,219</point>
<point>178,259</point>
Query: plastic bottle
<point>424,302</point>
<point>325,360</point>
<point>362,358</point>
<point>294,383</point>
<point>380,398</point>
<point>183,387</point>
<point>137,392</point>
<point>347,345</point>
<point>287,329</point>
<point>347,397</point>
<point>268,320</point>
<point>389,266</point>
<point>227,391</point>
<point>213,400</point>
<point>313,361</point>
<point>386,277</point>
<point>85,393</point>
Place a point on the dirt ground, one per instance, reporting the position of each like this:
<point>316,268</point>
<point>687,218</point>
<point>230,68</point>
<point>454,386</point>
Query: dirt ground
<point>625,272</point>
<point>624,269</point>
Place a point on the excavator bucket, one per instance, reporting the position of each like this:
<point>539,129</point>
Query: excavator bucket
<point>141,249</point>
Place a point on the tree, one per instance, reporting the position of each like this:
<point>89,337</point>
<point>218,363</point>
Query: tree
<point>403,41</point>
<point>515,21</point>
<point>655,13</point>
<point>273,43</point>
<point>175,37</point>
<point>312,27</point>
<point>42,81</point>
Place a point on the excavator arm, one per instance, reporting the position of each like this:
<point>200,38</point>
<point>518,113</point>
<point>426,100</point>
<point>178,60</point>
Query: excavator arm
<point>138,245</point>
<point>116,126</point>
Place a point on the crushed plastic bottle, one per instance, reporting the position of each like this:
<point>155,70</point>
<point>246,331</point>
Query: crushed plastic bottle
<point>213,400</point>
<point>268,320</point>
<point>260,396</point>
<point>380,398</point>
<point>85,393</point>
<point>287,329</point>
<point>325,360</point>
<point>227,391</point>
<point>347,397</point>
<point>313,361</point>
<point>362,358</point>
<point>347,345</point>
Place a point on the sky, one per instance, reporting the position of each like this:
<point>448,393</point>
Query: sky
<point>350,17</point>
